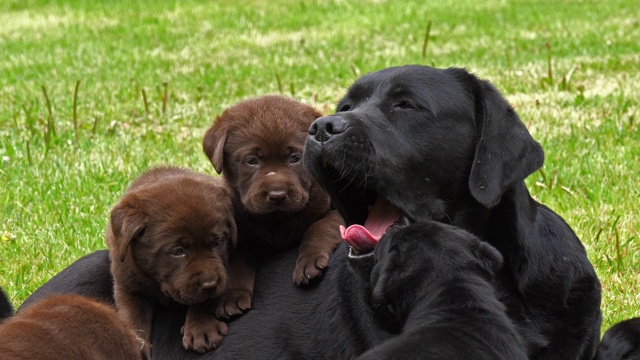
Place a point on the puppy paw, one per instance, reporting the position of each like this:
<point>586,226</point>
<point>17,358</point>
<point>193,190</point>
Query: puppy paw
<point>309,268</point>
<point>233,303</point>
<point>203,334</point>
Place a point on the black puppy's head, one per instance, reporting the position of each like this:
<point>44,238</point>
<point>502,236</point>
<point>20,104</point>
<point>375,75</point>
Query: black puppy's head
<point>429,142</point>
<point>414,261</point>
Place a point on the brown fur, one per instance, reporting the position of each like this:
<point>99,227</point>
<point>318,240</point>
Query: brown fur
<point>69,327</point>
<point>257,145</point>
<point>169,239</point>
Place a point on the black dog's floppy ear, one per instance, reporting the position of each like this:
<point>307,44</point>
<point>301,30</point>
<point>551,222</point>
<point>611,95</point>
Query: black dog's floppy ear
<point>505,154</point>
<point>127,222</point>
<point>213,144</point>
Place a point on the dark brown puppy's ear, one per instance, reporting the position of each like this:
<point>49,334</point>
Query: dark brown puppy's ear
<point>505,154</point>
<point>128,221</point>
<point>213,144</point>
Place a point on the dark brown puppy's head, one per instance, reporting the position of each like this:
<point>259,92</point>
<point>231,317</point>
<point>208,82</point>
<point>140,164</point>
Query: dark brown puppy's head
<point>69,327</point>
<point>257,145</point>
<point>177,231</point>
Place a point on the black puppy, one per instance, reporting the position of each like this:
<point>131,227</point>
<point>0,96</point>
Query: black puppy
<point>425,143</point>
<point>444,304</point>
<point>621,342</point>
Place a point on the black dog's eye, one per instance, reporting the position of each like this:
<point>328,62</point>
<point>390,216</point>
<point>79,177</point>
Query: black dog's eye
<point>404,104</point>
<point>177,252</point>
<point>252,161</point>
<point>345,107</point>
<point>295,158</point>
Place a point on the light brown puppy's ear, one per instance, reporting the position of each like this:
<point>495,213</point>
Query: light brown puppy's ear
<point>128,221</point>
<point>213,144</point>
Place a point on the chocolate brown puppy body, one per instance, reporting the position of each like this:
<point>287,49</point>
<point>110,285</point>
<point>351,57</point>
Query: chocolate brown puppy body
<point>69,327</point>
<point>169,238</point>
<point>257,145</point>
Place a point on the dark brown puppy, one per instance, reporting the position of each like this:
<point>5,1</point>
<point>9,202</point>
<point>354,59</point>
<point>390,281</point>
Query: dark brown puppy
<point>257,145</point>
<point>69,327</point>
<point>169,238</point>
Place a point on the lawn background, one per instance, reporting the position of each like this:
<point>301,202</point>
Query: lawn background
<point>570,68</point>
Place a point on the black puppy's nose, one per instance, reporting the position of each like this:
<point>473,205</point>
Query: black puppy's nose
<point>327,126</point>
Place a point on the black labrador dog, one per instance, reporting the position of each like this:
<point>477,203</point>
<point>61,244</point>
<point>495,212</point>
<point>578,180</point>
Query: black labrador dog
<point>407,144</point>
<point>444,305</point>
<point>422,143</point>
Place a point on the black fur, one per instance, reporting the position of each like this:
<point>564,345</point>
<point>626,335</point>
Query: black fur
<point>444,304</point>
<point>621,342</point>
<point>6,308</point>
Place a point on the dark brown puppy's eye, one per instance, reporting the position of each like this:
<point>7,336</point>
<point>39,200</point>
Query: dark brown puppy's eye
<point>295,158</point>
<point>177,252</point>
<point>252,161</point>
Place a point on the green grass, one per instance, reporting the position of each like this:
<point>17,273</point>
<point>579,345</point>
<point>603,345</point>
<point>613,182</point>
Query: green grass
<point>60,174</point>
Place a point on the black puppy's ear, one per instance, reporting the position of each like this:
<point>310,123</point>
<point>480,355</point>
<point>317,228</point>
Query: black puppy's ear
<point>213,144</point>
<point>489,257</point>
<point>128,221</point>
<point>505,154</point>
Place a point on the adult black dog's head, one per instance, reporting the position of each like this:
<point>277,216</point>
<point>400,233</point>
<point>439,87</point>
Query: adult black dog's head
<point>419,143</point>
<point>448,257</point>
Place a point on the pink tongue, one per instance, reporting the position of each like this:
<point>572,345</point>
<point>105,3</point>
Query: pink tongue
<point>364,238</point>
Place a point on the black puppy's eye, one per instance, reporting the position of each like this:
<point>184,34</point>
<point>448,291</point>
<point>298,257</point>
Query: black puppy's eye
<point>345,107</point>
<point>252,161</point>
<point>177,252</point>
<point>295,158</point>
<point>404,104</point>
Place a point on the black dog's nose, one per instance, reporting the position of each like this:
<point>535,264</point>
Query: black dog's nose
<point>325,127</point>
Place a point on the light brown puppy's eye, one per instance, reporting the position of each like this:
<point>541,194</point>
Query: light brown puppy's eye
<point>295,158</point>
<point>177,252</point>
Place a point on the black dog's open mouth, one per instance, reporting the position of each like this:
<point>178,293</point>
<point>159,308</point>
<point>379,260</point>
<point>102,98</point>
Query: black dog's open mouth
<point>367,213</point>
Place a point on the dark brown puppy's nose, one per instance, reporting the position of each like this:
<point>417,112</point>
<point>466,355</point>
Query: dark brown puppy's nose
<point>277,196</point>
<point>208,285</point>
<point>327,126</point>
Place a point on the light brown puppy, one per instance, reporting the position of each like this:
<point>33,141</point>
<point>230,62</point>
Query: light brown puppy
<point>69,327</point>
<point>169,238</point>
<point>257,146</point>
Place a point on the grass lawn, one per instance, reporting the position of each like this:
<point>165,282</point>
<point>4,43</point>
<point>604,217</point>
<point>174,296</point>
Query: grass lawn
<point>94,92</point>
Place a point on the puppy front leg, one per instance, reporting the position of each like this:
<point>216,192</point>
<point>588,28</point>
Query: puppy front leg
<point>202,331</point>
<point>238,296</point>
<point>318,243</point>
<point>138,312</point>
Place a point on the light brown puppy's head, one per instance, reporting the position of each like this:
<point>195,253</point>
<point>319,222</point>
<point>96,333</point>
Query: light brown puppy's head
<point>257,145</point>
<point>174,227</point>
